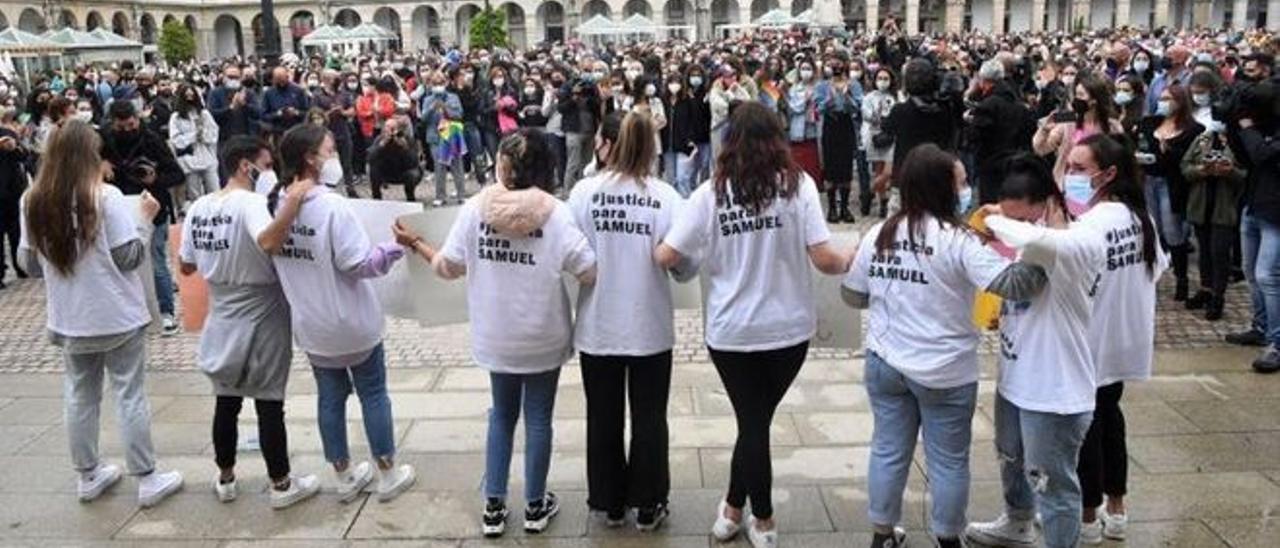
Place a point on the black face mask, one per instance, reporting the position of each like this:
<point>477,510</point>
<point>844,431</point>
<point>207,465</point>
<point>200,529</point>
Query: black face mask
<point>128,136</point>
<point>1080,106</point>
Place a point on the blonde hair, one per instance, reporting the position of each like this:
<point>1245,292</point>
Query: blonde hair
<point>633,152</point>
<point>62,206</point>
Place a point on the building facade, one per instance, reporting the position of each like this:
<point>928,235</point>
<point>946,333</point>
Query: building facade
<point>227,27</point>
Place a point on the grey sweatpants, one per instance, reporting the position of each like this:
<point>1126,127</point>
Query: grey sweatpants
<point>83,397</point>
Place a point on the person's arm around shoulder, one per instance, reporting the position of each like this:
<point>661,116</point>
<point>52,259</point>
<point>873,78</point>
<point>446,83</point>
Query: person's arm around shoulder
<point>272,237</point>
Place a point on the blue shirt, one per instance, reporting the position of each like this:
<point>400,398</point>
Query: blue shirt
<point>276,100</point>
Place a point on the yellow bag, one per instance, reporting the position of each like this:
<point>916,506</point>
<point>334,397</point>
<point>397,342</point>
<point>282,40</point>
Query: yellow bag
<point>986,306</point>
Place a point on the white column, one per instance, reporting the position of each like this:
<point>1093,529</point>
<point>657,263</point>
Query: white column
<point>1080,12</point>
<point>954,14</point>
<point>873,16</point>
<point>744,12</point>
<point>1201,13</point>
<point>1123,9</point>
<point>1162,12</point>
<point>1037,14</point>
<point>998,8</point>
<point>913,18</point>
<point>1273,14</point>
<point>1240,15</point>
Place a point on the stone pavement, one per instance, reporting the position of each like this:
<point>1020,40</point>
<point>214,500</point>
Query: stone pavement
<point>1204,443</point>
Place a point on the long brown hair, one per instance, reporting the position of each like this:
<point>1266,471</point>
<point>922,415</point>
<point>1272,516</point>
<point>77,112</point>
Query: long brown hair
<point>927,181</point>
<point>755,160</point>
<point>632,152</point>
<point>62,206</point>
<point>1181,104</point>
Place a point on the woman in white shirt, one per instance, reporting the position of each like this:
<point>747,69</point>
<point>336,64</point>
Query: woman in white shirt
<point>247,343</point>
<point>324,260</point>
<point>1045,393</point>
<point>918,273</point>
<point>81,236</point>
<point>193,135</point>
<point>1101,173</point>
<point>755,231</point>
<point>514,242</point>
<point>624,332</point>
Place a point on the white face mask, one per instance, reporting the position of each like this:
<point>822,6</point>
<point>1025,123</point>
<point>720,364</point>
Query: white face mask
<point>232,84</point>
<point>1201,99</point>
<point>1123,98</point>
<point>1069,80</point>
<point>437,89</point>
<point>695,81</point>
<point>331,173</point>
<point>84,115</point>
<point>673,87</point>
<point>530,90</point>
<point>1141,66</point>
<point>353,86</point>
<point>616,89</point>
<point>650,90</point>
<point>632,74</point>
<point>806,74</point>
<point>883,85</point>
<point>499,82</point>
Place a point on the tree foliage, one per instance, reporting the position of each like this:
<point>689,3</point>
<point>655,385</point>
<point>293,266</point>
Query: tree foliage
<point>176,43</point>
<point>489,28</point>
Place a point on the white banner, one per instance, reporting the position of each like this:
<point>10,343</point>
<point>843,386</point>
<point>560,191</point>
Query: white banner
<point>377,216</point>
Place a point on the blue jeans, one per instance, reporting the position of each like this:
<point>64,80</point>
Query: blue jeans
<point>476,151</point>
<point>681,179</point>
<point>160,268</point>
<point>1038,455</point>
<point>370,382</point>
<point>1260,249</point>
<point>901,408</point>
<point>1172,224</point>
<point>703,162</point>
<point>537,394</point>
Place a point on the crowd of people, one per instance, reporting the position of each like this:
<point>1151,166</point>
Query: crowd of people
<point>1059,173</point>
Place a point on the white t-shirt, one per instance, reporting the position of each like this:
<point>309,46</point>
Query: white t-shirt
<point>334,311</point>
<point>628,312</point>
<point>921,315</point>
<point>1045,361</point>
<point>220,237</point>
<point>759,294</point>
<point>519,308</point>
<point>96,299</point>
<point>1122,332</point>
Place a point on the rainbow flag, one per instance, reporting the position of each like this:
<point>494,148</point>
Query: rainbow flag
<point>453,143</point>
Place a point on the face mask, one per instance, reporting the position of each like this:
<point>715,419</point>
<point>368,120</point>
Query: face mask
<point>331,173</point>
<point>615,89</point>
<point>84,115</point>
<point>695,81</point>
<point>827,71</point>
<point>1123,98</point>
<point>313,83</point>
<point>673,87</point>
<point>353,86</point>
<point>1078,188</point>
<point>964,200</point>
<point>1214,126</point>
<point>632,74</point>
<point>883,85</point>
<point>1080,106</point>
<point>1069,80</point>
<point>530,90</point>
<point>437,90</point>
<point>856,75</point>
<point>1205,58</point>
<point>232,84</point>
<point>650,90</point>
<point>1164,108</point>
<point>1141,66</point>
<point>1201,99</point>
<point>498,82</point>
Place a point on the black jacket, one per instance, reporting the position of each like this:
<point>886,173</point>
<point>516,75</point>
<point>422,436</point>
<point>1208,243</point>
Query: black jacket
<point>701,125</point>
<point>1262,190</point>
<point>13,172</point>
<point>126,154</point>
<point>580,112</point>
<point>394,160</point>
<point>1169,159</point>
<point>682,117</point>
<point>917,121</point>
<point>1001,126</point>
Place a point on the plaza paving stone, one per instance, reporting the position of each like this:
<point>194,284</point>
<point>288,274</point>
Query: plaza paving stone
<point>1204,439</point>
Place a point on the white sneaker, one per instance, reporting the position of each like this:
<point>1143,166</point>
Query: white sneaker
<point>391,483</point>
<point>300,488</point>
<point>353,481</point>
<point>226,491</point>
<point>156,486</point>
<point>1091,533</point>
<point>91,485</point>
<point>1003,532</point>
<point>1114,526</point>
<point>437,203</point>
<point>724,528</point>
<point>761,539</point>
<point>169,326</point>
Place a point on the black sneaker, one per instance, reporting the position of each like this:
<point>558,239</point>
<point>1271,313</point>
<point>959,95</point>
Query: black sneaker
<point>495,518</point>
<point>1199,300</point>
<point>896,540</point>
<point>650,518</point>
<point>1252,337</point>
<point>1268,362</point>
<point>614,519</point>
<point>537,515</point>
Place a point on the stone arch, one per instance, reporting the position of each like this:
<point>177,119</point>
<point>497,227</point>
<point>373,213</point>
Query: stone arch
<point>678,12</point>
<point>761,7</point>
<point>389,19</point>
<point>800,6</point>
<point>1102,14</point>
<point>300,25</point>
<point>516,28</point>
<point>93,21</point>
<point>426,26</point>
<point>190,22</point>
<point>4,21</point>
<point>31,21</point>
<point>346,18</point>
<point>462,22</point>
<point>147,28</point>
<point>633,7</point>
<point>168,18</point>
<point>551,20</point>
<point>978,15</point>
<point>228,36</point>
<point>67,19</point>
<point>120,23</point>
<point>596,7</point>
<point>723,12</point>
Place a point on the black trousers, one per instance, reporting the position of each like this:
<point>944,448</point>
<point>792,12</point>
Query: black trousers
<point>756,383</point>
<point>271,434</point>
<point>10,231</point>
<point>1215,256</point>
<point>615,482</point>
<point>1104,458</point>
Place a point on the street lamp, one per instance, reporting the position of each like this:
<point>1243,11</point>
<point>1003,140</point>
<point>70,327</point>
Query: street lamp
<point>271,34</point>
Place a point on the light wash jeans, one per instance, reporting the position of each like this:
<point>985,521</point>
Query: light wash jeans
<point>477,152</point>
<point>902,408</point>
<point>578,150</point>
<point>82,400</point>
<point>1172,224</point>
<point>369,380</point>
<point>1260,250</point>
<point>442,168</point>
<point>200,183</point>
<point>536,393</point>
<point>1038,454</point>
<point>160,268</point>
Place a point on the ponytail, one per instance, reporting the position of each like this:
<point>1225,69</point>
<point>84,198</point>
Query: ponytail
<point>1126,188</point>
